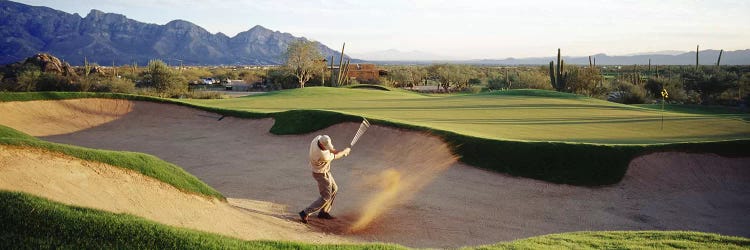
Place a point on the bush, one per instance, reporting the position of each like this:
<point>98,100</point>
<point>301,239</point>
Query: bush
<point>502,81</point>
<point>673,86</point>
<point>627,93</point>
<point>116,85</point>
<point>204,95</point>
<point>48,81</point>
<point>27,80</point>
<point>164,80</point>
<point>586,81</point>
<point>533,80</point>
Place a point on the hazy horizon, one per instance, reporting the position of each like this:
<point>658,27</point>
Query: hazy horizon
<point>461,30</point>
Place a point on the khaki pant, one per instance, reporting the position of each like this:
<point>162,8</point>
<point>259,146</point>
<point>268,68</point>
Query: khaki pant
<point>327,188</point>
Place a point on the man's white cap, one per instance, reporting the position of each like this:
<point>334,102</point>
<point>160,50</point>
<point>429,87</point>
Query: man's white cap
<point>325,140</point>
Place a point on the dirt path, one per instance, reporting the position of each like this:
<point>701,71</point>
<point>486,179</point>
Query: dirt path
<point>434,202</point>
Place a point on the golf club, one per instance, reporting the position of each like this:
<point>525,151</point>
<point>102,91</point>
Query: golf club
<point>362,128</point>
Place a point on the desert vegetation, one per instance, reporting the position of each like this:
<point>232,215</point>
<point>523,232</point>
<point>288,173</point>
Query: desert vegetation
<point>305,66</point>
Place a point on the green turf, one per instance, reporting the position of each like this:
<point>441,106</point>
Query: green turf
<point>523,115</point>
<point>143,163</point>
<point>698,109</point>
<point>627,240</point>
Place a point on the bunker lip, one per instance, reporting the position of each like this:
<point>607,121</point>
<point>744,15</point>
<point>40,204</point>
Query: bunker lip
<point>457,206</point>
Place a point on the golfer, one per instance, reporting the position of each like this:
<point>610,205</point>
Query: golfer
<point>322,153</point>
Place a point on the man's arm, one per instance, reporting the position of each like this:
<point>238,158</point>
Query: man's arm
<point>342,153</point>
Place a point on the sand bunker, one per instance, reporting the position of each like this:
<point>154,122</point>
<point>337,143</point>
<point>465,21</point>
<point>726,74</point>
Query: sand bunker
<point>418,197</point>
<point>43,118</point>
<point>96,185</point>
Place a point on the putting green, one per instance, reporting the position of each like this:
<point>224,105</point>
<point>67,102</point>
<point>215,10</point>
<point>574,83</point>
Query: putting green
<point>533,115</point>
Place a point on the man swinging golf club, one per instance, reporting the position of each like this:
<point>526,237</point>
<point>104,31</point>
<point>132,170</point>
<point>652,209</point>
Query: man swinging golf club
<point>322,153</point>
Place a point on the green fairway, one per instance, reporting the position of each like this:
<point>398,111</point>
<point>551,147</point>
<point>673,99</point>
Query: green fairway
<point>527,115</point>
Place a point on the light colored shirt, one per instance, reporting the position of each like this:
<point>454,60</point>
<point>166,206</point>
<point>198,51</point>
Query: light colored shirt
<point>320,159</point>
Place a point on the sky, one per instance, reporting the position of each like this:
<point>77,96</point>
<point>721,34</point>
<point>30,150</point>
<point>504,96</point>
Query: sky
<point>465,29</point>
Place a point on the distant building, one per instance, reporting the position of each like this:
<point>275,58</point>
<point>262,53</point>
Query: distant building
<point>362,72</point>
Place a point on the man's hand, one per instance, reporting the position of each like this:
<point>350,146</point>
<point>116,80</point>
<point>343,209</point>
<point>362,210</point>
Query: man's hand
<point>341,153</point>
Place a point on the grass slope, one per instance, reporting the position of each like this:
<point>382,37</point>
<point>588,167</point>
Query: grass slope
<point>145,164</point>
<point>628,240</point>
<point>32,222</point>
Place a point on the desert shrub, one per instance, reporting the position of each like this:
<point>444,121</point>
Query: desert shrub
<point>49,81</point>
<point>502,81</point>
<point>106,84</point>
<point>474,89</point>
<point>204,95</point>
<point>673,86</point>
<point>115,85</point>
<point>586,81</point>
<point>627,93</point>
<point>533,80</point>
<point>281,79</point>
<point>27,80</point>
<point>164,80</point>
<point>710,85</point>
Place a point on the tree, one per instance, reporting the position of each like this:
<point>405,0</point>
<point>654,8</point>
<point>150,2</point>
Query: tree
<point>585,81</point>
<point>303,60</point>
<point>502,81</point>
<point>162,78</point>
<point>449,75</point>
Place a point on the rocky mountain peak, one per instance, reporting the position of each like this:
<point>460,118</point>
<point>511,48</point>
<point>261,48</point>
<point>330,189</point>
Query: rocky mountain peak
<point>107,37</point>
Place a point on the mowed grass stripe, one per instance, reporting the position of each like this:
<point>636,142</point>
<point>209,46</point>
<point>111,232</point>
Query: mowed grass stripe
<point>523,115</point>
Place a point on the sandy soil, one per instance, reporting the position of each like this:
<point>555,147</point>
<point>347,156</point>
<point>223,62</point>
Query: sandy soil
<point>43,118</point>
<point>410,183</point>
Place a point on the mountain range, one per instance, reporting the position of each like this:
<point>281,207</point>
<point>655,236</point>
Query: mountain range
<point>397,55</point>
<point>706,57</point>
<point>107,38</point>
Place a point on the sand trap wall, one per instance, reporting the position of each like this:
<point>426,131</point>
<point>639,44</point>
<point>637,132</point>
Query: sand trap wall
<point>56,117</point>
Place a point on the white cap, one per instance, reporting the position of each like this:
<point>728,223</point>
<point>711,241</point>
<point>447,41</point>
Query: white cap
<point>325,140</point>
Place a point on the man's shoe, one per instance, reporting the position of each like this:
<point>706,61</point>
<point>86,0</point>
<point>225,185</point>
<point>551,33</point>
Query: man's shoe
<point>303,216</point>
<point>324,215</point>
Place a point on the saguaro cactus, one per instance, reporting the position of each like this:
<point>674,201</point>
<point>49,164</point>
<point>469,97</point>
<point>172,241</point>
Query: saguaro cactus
<point>556,75</point>
<point>341,61</point>
<point>697,50</point>
<point>718,61</point>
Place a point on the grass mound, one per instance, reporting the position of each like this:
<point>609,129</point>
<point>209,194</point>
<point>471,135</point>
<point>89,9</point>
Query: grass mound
<point>30,222</point>
<point>370,86</point>
<point>628,240</point>
<point>145,164</point>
